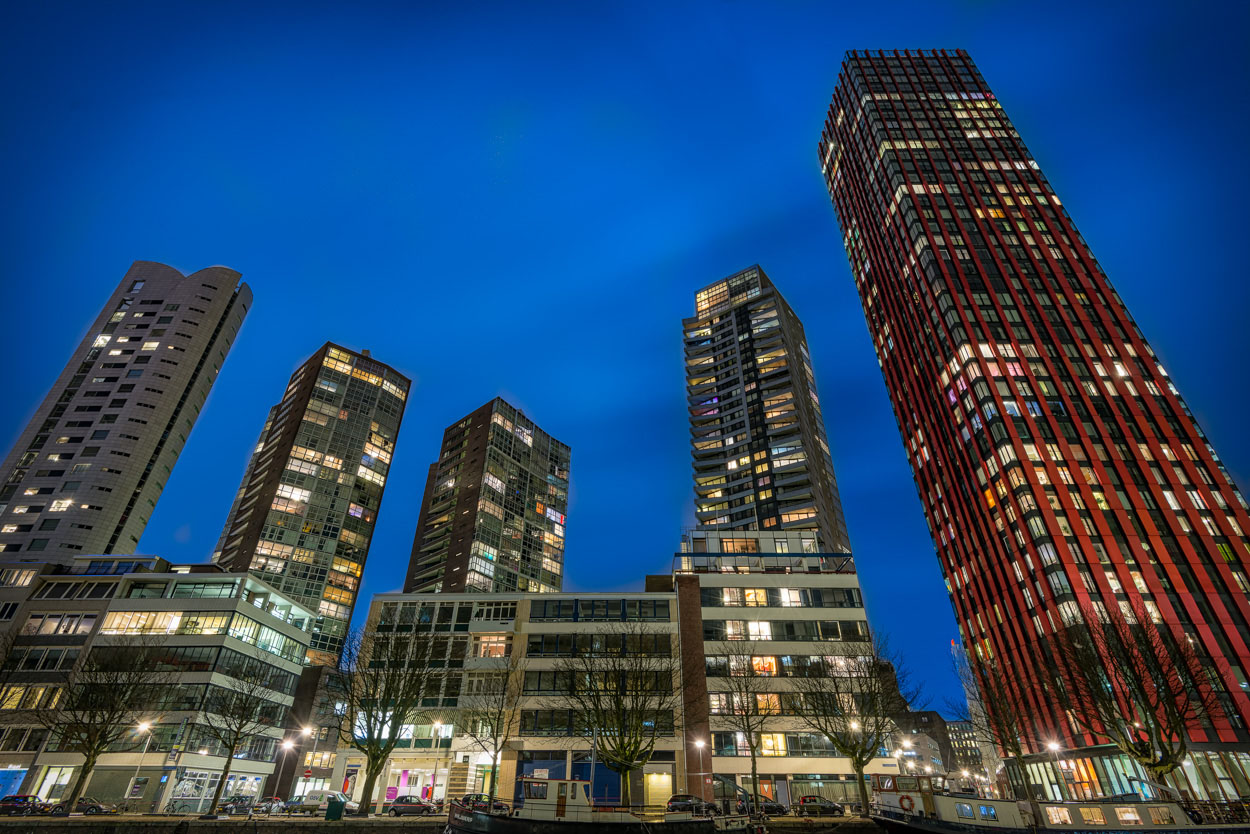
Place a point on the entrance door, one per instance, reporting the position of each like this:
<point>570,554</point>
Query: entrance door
<point>657,788</point>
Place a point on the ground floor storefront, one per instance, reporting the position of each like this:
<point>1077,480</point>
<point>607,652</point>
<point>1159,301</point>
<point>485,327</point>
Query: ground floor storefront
<point>457,770</point>
<point>1220,776</point>
<point>784,779</point>
<point>150,783</point>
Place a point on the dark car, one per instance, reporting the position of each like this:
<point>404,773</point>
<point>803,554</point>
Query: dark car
<point>411,805</point>
<point>237,804</point>
<point>685,803</point>
<point>818,806</point>
<point>769,807</point>
<point>22,804</point>
<point>481,801</point>
<point>86,805</point>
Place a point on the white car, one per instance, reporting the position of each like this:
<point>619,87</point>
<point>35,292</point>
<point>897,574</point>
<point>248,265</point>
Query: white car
<point>316,802</point>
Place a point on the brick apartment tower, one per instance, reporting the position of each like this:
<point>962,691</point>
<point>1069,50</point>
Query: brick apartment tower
<point>493,514</point>
<point>761,458</point>
<point>305,513</point>
<point>86,473</point>
<point>1058,466</point>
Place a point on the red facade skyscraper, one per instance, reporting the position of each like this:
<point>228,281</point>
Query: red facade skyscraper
<point>1060,470</point>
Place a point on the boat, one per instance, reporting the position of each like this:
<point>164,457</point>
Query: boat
<point>924,805</point>
<point>563,806</point>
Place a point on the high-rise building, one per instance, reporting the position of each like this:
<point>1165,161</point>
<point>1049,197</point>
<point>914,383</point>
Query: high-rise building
<point>85,475</point>
<point>492,517</point>
<point>305,513</point>
<point>761,459</point>
<point>1059,468</point>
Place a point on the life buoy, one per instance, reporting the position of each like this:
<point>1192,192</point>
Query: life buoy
<point>906,803</point>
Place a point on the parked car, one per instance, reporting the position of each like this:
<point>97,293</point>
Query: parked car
<point>85,805</point>
<point>316,802</point>
<point>23,804</point>
<point>770,807</point>
<point>481,801</point>
<point>683,803</point>
<point>410,805</point>
<point>818,806</point>
<point>269,805</point>
<point>237,804</point>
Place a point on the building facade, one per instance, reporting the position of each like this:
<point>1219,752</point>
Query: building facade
<point>86,473</point>
<point>479,636</point>
<point>209,627</point>
<point>965,746</point>
<point>792,607</point>
<point>305,513</point>
<point>493,513</point>
<point>761,458</point>
<point>1060,470</point>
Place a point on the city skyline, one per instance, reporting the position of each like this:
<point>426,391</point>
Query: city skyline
<point>620,372</point>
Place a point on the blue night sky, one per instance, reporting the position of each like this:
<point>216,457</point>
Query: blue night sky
<point>520,200</point>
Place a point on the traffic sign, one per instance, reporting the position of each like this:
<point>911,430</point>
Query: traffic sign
<point>307,773</point>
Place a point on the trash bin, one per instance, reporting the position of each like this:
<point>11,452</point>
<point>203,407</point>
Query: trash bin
<point>334,809</point>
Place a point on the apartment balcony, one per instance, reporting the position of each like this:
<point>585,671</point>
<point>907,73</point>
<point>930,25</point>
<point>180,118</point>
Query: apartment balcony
<point>800,492</point>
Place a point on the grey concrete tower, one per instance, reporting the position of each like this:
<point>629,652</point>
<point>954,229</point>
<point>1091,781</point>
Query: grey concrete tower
<point>761,458</point>
<point>85,475</point>
<point>304,515</point>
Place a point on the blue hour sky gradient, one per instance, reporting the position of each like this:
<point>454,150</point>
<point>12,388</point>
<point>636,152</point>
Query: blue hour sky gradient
<point>520,199</point>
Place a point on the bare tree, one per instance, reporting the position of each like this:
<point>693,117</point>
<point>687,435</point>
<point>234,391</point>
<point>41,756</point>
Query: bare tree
<point>621,686</point>
<point>105,696</point>
<point>748,698</point>
<point>1137,683</point>
<point>849,699</point>
<point>234,714</point>
<point>385,679</point>
<point>490,710</point>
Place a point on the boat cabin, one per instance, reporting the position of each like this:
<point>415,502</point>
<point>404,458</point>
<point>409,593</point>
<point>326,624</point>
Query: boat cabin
<point>919,801</point>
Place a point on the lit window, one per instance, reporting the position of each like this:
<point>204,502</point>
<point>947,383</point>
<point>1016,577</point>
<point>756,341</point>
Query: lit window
<point>150,345</point>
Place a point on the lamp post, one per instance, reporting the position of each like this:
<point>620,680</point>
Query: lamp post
<point>699,743</point>
<point>434,734</point>
<point>144,727</point>
<point>287,745</point>
<point>306,732</point>
<point>1054,748</point>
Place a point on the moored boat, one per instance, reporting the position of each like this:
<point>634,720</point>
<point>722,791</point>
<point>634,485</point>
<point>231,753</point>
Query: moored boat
<point>918,805</point>
<point>563,806</point>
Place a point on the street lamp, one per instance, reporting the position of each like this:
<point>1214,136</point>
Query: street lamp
<point>699,743</point>
<point>434,734</point>
<point>286,746</point>
<point>306,732</point>
<point>144,727</point>
<point>1053,747</point>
